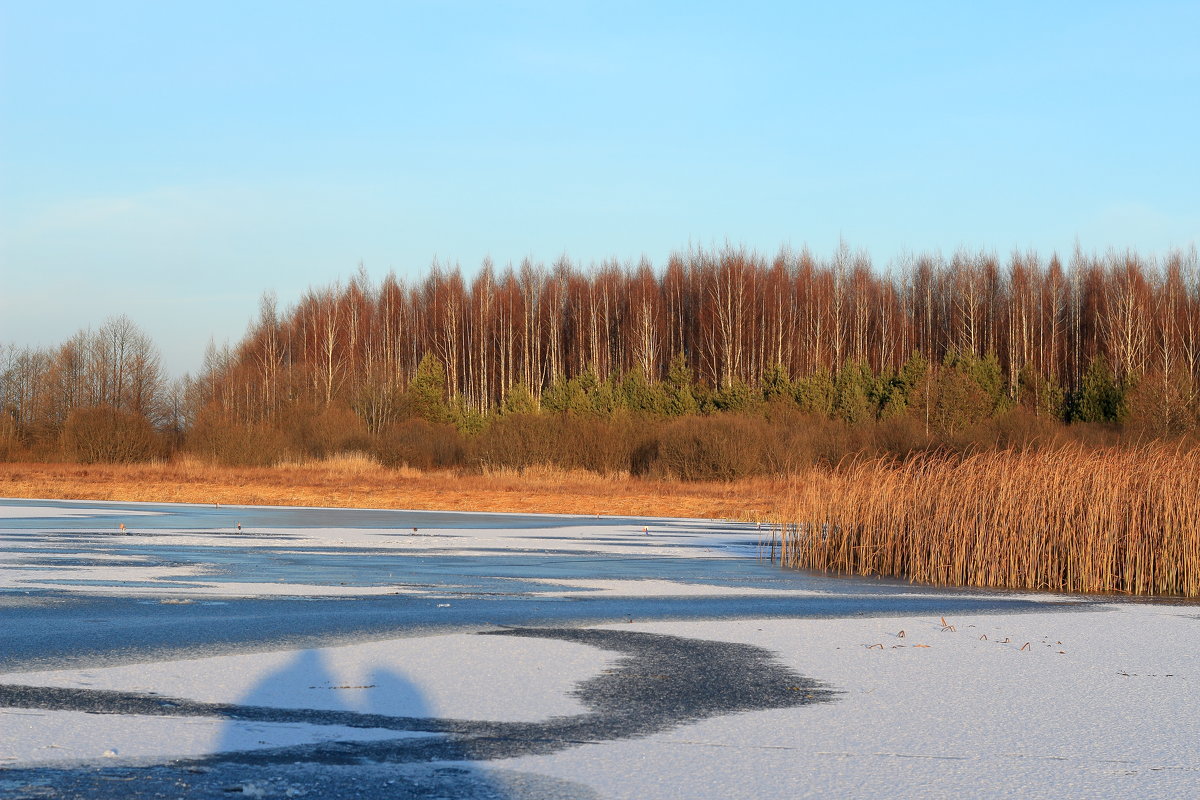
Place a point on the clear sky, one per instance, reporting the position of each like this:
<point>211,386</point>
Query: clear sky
<point>172,160</point>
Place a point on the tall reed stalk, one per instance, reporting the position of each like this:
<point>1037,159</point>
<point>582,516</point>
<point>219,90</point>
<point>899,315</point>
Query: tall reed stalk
<point>1070,520</point>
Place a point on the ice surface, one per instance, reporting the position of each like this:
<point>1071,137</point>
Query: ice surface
<point>1074,699</point>
<point>39,737</point>
<point>455,676</point>
<point>108,561</point>
<point>53,512</point>
<point>1099,705</point>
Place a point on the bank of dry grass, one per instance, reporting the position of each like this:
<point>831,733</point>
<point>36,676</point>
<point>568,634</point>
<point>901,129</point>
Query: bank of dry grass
<point>1109,520</point>
<point>360,482</point>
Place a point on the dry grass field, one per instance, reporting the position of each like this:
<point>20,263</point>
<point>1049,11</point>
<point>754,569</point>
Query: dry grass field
<point>359,482</point>
<point>1123,520</point>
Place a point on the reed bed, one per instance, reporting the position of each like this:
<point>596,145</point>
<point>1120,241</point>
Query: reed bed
<point>1065,520</point>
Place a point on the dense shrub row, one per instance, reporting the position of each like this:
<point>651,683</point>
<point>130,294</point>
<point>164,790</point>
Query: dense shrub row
<point>775,439</point>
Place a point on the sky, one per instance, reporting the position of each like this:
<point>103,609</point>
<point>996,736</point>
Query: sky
<point>174,161</point>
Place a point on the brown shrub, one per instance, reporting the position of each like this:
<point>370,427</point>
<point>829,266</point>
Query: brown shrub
<point>604,445</point>
<point>219,440</point>
<point>722,447</point>
<point>829,441</point>
<point>1161,405</point>
<point>794,437</point>
<point>11,446</point>
<point>902,435</point>
<point>319,432</point>
<point>516,441</point>
<point>420,444</point>
<point>92,435</point>
<point>1021,428</point>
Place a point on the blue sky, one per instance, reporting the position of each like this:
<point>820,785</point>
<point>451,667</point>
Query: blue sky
<point>171,161</point>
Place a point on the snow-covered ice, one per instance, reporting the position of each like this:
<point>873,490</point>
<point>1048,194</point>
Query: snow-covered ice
<point>915,692</point>
<point>66,512</point>
<point>47,737</point>
<point>452,675</point>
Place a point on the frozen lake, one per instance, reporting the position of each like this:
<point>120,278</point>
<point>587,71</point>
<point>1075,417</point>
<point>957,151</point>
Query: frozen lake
<point>494,655</point>
<point>78,515</point>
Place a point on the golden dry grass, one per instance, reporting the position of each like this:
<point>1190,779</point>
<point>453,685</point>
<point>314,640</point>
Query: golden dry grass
<point>359,482</point>
<point>1109,520</point>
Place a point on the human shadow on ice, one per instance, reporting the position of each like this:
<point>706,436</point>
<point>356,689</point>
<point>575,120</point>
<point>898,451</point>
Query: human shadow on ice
<point>309,683</point>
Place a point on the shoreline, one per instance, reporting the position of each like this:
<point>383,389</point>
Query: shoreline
<point>354,484</point>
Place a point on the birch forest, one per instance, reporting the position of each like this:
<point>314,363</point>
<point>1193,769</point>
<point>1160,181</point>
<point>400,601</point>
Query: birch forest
<point>820,356</point>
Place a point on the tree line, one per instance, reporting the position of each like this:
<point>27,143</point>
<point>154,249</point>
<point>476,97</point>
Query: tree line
<point>944,350</point>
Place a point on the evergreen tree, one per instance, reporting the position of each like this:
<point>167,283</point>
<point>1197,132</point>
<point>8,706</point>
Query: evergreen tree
<point>604,397</point>
<point>468,420</point>
<point>957,400</point>
<point>681,399</point>
<point>1041,396</point>
<point>904,391</point>
<point>1099,397</point>
<point>814,394</point>
<point>988,375</point>
<point>519,401</point>
<point>912,373</point>
<point>427,391</point>
<point>637,395</point>
<point>737,396</point>
<point>556,397</point>
<point>852,391</point>
<point>776,385</point>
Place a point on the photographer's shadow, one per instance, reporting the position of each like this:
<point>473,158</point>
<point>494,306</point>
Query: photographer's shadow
<point>307,683</point>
